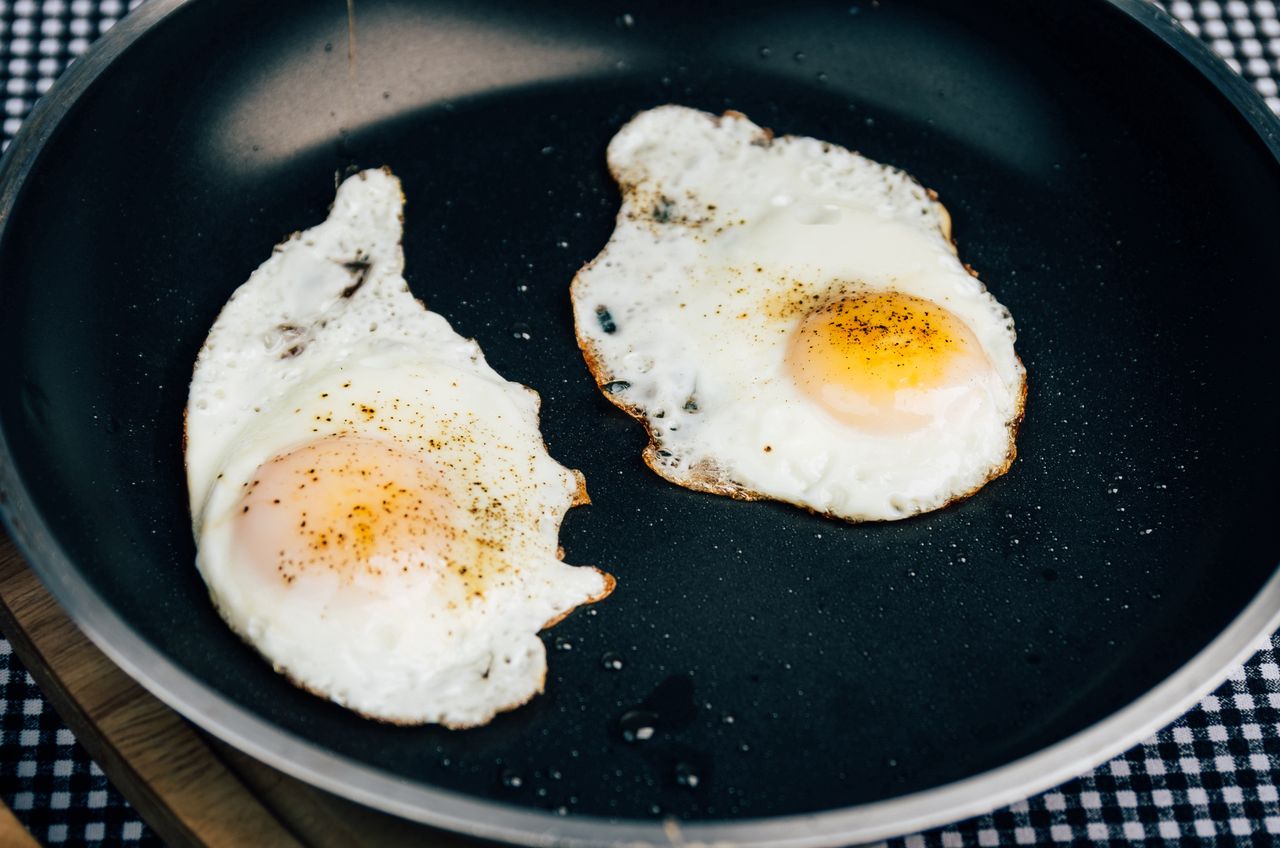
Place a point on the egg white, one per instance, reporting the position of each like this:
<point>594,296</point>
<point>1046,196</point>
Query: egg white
<point>326,341</point>
<point>725,237</point>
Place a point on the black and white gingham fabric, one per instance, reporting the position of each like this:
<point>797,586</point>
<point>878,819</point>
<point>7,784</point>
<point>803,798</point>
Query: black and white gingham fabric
<point>1211,777</point>
<point>38,38</point>
<point>48,780</point>
<point>1246,35</point>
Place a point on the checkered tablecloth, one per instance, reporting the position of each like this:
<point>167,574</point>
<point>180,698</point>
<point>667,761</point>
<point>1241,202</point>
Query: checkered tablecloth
<point>1212,776</point>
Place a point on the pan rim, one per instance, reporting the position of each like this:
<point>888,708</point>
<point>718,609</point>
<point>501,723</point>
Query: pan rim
<point>316,765</point>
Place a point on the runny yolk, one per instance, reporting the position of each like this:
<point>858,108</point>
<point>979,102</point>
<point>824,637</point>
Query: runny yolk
<point>884,362</point>
<point>348,504</point>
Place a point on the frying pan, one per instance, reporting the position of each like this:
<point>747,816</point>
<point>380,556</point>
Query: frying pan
<point>813,682</point>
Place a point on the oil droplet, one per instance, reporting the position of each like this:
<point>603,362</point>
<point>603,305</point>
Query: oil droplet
<point>727,718</point>
<point>670,706</point>
<point>687,776</point>
<point>626,21</point>
<point>799,56</point>
<point>521,331</point>
<point>511,779</point>
<point>765,52</point>
<point>822,76</point>
<point>638,726</point>
<point>563,644</point>
<point>611,661</point>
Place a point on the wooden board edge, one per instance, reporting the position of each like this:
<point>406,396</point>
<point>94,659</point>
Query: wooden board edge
<point>12,833</point>
<point>161,765</point>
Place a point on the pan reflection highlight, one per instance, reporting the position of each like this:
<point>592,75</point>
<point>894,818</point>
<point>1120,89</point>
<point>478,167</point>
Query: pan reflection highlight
<point>406,60</point>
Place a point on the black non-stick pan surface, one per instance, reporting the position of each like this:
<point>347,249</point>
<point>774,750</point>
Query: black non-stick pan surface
<point>1115,187</point>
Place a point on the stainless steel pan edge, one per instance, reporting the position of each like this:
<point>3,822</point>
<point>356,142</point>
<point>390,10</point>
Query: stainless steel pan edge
<point>313,764</point>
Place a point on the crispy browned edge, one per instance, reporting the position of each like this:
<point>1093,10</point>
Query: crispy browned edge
<point>580,498</point>
<point>717,487</point>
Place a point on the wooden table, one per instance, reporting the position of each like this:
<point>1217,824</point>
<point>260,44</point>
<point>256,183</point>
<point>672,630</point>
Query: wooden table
<point>191,788</point>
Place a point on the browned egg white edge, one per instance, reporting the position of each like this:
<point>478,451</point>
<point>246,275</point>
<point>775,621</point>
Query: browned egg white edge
<point>580,498</point>
<point>706,477</point>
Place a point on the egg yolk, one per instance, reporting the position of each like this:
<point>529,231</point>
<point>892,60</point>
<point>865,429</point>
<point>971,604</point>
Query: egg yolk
<point>356,506</point>
<point>884,362</point>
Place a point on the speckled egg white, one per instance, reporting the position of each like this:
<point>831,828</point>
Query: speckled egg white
<point>374,507</point>
<point>790,320</point>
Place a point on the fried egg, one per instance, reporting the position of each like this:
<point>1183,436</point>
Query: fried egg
<point>790,320</point>
<point>374,507</point>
